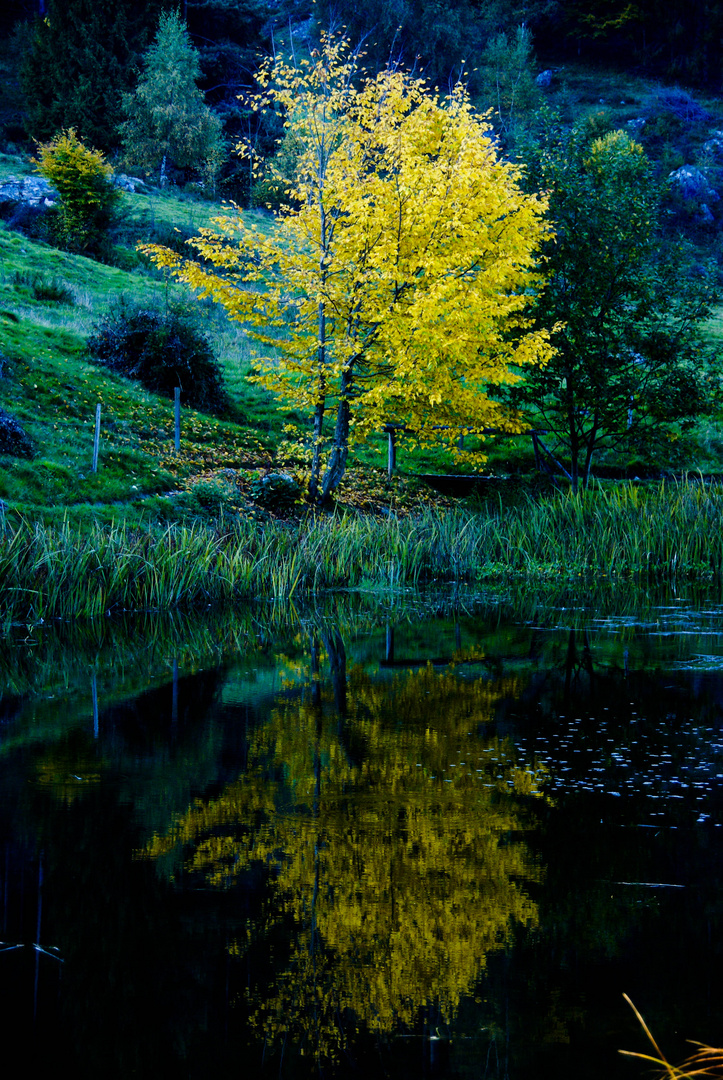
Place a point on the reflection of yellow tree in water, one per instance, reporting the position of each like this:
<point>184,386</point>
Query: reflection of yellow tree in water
<point>389,821</point>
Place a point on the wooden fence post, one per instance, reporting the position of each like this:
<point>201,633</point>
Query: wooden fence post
<point>391,451</point>
<point>96,440</point>
<point>177,418</point>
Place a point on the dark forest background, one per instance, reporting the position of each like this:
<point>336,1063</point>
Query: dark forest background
<point>76,74</point>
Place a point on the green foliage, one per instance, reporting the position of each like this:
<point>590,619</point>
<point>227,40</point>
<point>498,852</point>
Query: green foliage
<point>629,357</point>
<point>670,532</point>
<point>83,56</point>
<point>276,491</point>
<point>441,40</point>
<point>686,43</point>
<point>276,176</point>
<point>82,178</point>
<point>507,82</point>
<point>162,351</point>
<point>230,35</point>
<point>168,121</point>
<point>209,501</point>
<point>48,290</point>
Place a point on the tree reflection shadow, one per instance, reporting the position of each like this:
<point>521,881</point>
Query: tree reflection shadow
<point>390,824</point>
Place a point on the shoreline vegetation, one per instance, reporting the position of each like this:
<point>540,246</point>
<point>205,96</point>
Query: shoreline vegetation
<point>668,532</point>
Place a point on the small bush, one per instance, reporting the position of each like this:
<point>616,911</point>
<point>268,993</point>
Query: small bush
<point>277,491</point>
<point>46,290</point>
<point>209,501</point>
<point>87,197</point>
<point>679,103</point>
<point>162,351</point>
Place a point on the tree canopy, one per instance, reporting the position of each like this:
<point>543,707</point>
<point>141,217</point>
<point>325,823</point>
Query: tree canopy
<point>629,359</point>
<point>168,119</point>
<point>396,286</point>
<point>83,56</point>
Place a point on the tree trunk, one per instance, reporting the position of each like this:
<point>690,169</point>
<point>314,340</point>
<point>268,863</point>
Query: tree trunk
<point>340,449</point>
<point>316,453</point>
<point>591,440</point>
<point>319,410</point>
<point>572,428</point>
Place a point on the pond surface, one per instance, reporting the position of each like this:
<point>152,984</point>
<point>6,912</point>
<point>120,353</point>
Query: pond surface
<point>419,841</point>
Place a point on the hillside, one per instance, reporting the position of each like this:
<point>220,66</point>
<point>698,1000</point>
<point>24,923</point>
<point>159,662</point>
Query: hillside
<point>50,301</point>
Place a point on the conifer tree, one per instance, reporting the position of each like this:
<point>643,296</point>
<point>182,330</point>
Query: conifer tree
<point>83,56</point>
<point>168,119</point>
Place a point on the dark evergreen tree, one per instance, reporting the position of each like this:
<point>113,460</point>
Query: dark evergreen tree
<point>168,120</point>
<point>686,43</point>
<point>83,56</point>
<point>625,311</point>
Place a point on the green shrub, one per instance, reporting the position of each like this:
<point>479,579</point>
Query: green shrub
<point>276,491</point>
<point>208,501</point>
<point>82,178</point>
<point>162,351</point>
<point>41,288</point>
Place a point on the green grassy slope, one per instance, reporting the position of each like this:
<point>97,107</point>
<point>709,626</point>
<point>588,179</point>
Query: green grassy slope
<point>50,300</point>
<point>50,386</point>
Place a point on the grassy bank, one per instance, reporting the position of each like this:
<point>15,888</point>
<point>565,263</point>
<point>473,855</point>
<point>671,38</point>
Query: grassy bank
<point>673,530</point>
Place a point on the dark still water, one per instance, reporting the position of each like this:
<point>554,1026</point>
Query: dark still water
<point>410,842</point>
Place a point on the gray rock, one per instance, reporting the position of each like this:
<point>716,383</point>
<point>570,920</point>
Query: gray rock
<point>544,79</point>
<point>637,124</point>
<point>693,184</point>
<point>128,183</point>
<point>714,147</point>
<point>34,191</point>
<point>276,490</point>
<point>14,440</point>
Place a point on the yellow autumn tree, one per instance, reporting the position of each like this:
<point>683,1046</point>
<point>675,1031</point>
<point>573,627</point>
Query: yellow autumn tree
<point>395,287</point>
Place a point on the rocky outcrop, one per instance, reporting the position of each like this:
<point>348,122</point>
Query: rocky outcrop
<point>714,146</point>
<point>693,184</point>
<point>696,192</point>
<point>34,191</point>
<point>128,183</point>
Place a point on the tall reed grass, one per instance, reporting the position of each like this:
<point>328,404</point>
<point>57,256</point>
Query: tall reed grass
<point>705,1061</point>
<point>671,531</point>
